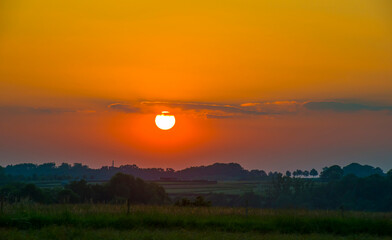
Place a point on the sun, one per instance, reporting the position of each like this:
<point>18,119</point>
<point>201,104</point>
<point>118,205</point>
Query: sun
<point>165,121</point>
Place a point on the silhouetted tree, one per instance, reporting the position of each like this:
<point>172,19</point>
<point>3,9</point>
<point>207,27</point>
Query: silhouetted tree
<point>184,202</point>
<point>297,173</point>
<point>33,193</point>
<point>334,172</point>
<point>288,173</point>
<point>2,174</point>
<point>361,170</point>
<point>313,172</point>
<point>198,202</point>
<point>389,173</point>
<point>67,196</point>
<point>136,190</point>
<point>82,189</point>
<point>201,202</point>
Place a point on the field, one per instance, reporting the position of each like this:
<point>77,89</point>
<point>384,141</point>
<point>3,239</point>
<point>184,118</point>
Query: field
<point>192,188</point>
<point>88,221</point>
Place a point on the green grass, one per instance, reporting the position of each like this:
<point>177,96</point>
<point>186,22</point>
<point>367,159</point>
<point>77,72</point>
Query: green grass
<point>31,218</point>
<point>68,233</point>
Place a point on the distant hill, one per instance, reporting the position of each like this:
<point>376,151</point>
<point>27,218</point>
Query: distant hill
<point>362,170</point>
<point>65,172</point>
<point>216,172</point>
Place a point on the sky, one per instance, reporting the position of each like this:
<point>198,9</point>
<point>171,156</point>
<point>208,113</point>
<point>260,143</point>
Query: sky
<point>275,85</point>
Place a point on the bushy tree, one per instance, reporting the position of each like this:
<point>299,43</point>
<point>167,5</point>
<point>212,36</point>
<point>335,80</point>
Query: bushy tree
<point>201,202</point>
<point>82,189</point>
<point>2,174</point>
<point>389,173</point>
<point>198,202</point>
<point>33,193</point>
<point>334,172</point>
<point>313,172</point>
<point>67,196</point>
<point>297,173</point>
<point>136,190</point>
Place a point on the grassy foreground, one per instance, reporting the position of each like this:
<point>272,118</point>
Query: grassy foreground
<point>166,222</point>
<point>65,233</point>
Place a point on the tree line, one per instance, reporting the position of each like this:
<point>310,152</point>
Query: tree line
<point>121,188</point>
<point>333,190</point>
<point>217,172</point>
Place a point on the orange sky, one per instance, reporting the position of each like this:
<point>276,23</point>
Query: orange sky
<point>254,82</point>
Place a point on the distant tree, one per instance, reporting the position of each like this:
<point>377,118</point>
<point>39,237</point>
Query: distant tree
<point>184,202</point>
<point>67,196</point>
<point>121,185</point>
<point>297,173</point>
<point>334,172</point>
<point>200,202</point>
<point>313,172</point>
<point>305,173</point>
<point>170,170</point>
<point>82,189</point>
<point>136,190</point>
<point>288,174</point>
<point>389,173</point>
<point>33,193</point>
<point>2,173</point>
<point>77,166</point>
<point>47,166</point>
<point>101,193</point>
<point>64,167</point>
<point>362,170</point>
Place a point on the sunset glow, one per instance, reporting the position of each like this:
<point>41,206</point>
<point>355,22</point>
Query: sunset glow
<point>268,84</point>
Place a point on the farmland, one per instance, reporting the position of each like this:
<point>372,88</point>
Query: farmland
<point>191,188</point>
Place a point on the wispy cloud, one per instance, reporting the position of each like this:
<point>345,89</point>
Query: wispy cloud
<point>124,107</point>
<point>343,107</point>
<point>210,110</point>
<point>219,110</point>
<point>249,104</point>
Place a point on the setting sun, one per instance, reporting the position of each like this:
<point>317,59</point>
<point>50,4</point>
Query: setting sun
<point>165,121</point>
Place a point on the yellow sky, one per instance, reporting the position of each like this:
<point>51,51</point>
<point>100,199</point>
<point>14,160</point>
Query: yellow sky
<point>280,84</point>
<point>196,50</point>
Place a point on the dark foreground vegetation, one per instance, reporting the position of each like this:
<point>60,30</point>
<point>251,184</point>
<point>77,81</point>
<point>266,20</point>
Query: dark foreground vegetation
<point>126,207</point>
<point>120,189</point>
<point>372,193</point>
<point>71,233</point>
<point>166,218</point>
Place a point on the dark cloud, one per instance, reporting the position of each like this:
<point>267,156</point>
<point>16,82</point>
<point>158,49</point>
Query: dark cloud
<point>212,116</point>
<point>211,110</point>
<point>122,107</point>
<point>224,108</point>
<point>343,107</point>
